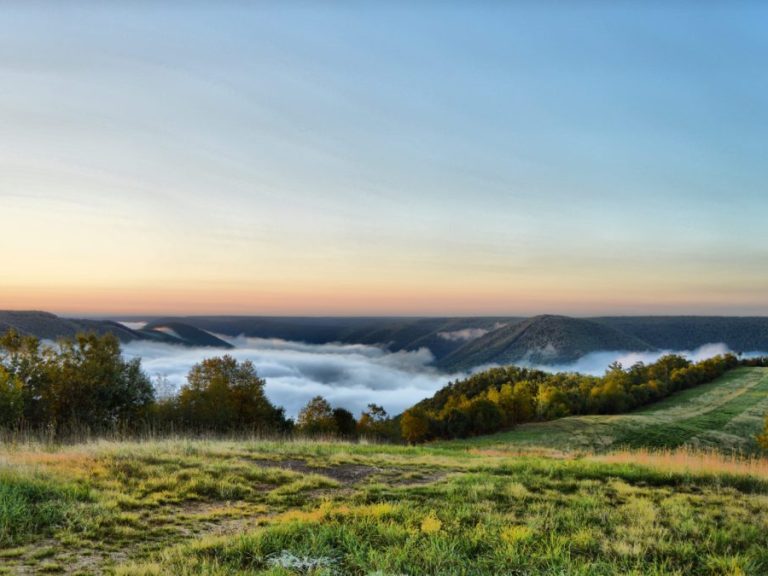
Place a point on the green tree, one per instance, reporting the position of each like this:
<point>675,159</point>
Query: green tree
<point>316,418</point>
<point>552,402</point>
<point>90,384</point>
<point>484,416</point>
<point>455,423</point>
<point>346,425</point>
<point>523,402</point>
<point>11,399</point>
<point>24,358</point>
<point>222,394</point>
<point>375,423</point>
<point>371,420</point>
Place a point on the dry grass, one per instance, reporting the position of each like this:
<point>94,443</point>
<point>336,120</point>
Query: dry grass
<point>690,460</point>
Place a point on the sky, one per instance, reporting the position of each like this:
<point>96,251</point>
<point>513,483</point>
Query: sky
<point>354,158</point>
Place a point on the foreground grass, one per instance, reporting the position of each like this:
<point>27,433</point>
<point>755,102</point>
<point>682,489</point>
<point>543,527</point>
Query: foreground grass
<point>31,504</point>
<point>220,507</point>
<point>725,414</point>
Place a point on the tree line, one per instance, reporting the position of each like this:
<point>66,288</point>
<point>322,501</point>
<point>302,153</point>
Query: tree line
<point>84,383</point>
<point>500,398</point>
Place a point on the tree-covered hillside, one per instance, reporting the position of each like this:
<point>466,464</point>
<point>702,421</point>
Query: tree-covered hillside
<point>501,398</point>
<point>541,340</point>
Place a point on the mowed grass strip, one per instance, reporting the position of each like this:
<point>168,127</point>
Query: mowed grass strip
<point>676,432</point>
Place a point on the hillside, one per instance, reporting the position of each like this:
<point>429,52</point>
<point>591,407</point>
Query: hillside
<point>744,334</point>
<point>541,340</point>
<point>47,326</point>
<point>466,343</point>
<point>179,333</point>
<point>440,335</point>
<point>724,415</point>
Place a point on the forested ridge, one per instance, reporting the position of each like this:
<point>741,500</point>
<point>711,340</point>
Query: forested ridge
<point>501,398</point>
<point>458,343</point>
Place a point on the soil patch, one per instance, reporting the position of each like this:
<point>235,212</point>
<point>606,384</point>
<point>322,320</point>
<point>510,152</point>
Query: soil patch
<point>345,473</point>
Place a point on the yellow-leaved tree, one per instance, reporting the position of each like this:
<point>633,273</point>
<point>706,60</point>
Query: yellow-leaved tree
<point>762,439</point>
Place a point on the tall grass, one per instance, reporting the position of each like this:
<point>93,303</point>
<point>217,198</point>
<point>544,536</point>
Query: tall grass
<point>687,459</point>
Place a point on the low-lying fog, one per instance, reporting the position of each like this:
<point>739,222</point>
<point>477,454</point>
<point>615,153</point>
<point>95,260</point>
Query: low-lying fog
<point>351,376</point>
<point>595,363</point>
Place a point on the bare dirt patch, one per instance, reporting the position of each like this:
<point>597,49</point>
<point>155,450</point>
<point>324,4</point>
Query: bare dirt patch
<point>345,473</point>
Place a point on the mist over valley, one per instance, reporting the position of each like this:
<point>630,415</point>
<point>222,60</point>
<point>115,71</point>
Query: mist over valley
<point>355,375</point>
<point>396,362</point>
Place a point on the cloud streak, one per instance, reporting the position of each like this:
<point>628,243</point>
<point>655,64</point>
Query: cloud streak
<point>467,334</point>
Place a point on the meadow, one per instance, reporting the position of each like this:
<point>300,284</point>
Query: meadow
<point>486,506</point>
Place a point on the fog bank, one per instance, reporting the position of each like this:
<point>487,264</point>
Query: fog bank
<point>596,363</point>
<point>351,376</point>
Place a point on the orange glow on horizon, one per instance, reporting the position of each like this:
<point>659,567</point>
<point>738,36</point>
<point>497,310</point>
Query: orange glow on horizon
<point>356,301</point>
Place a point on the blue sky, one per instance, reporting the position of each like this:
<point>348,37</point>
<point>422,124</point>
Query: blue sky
<point>359,158</point>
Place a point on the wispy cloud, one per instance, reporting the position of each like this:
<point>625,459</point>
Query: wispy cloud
<point>467,334</point>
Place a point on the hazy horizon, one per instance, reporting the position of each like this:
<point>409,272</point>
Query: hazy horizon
<point>434,159</point>
<point>142,317</point>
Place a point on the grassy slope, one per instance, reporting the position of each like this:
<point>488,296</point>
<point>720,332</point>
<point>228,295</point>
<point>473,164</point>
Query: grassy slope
<point>219,507</point>
<point>725,414</point>
<point>455,508</point>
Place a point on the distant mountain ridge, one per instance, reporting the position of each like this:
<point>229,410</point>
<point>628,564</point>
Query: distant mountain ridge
<point>545,339</point>
<point>457,343</point>
<point>394,333</point>
<point>739,333</point>
<point>189,335</point>
<point>47,326</point>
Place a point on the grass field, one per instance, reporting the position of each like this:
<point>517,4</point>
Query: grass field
<point>494,506</point>
<point>256,507</point>
<point>725,415</point>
